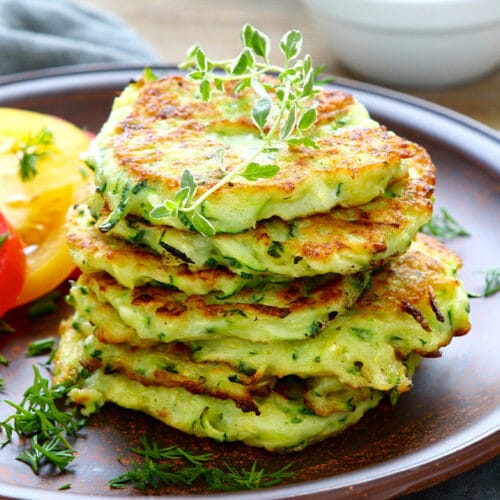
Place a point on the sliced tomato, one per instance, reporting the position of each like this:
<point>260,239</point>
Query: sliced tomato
<point>37,208</point>
<point>12,266</point>
<point>43,233</point>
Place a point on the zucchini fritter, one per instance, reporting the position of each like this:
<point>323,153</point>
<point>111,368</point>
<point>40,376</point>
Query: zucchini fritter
<point>282,422</point>
<point>312,297</point>
<point>272,311</point>
<point>158,129</point>
<point>133,265</point>
<point>344,240</point>
<point>282,425</point>
<point>414,305</point>
<point>166,365</point>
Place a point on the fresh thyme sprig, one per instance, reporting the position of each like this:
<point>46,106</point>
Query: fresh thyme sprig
<point>38,417</point>
<point>35,147</point>
<point>153,473</point>
<point>443,225</point>
<point>283,110</point>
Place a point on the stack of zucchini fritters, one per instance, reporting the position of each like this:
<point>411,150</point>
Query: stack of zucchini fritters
<point>313,300</point>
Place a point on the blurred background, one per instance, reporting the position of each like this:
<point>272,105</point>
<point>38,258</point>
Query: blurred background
<point>172,26</point>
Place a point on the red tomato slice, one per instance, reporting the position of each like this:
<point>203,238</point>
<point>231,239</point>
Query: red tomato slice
<point>12,266</point>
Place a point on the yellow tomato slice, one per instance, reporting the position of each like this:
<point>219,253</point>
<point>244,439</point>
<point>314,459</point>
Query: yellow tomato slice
<point>37,207</point>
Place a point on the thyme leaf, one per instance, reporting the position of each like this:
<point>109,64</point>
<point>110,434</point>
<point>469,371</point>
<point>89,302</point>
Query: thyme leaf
<point>149,74</point>
<point>256,171</point>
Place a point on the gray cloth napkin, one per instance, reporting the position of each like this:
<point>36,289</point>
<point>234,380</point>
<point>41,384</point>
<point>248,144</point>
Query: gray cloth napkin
<point>37,34</point>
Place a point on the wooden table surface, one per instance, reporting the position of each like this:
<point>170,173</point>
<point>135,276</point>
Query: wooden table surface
<point>172,26</point>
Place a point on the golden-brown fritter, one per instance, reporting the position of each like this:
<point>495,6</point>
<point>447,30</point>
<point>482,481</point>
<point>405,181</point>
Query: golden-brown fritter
<point>344,240</point>
<point>158,129</point>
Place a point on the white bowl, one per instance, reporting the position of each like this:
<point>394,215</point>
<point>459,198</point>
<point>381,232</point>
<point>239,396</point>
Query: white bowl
<point>412,43</point>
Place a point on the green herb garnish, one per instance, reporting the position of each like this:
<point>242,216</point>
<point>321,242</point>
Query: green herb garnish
<point>44,305</point>
<point>149,75</point>
<point>35,147</point>
<point>188,468</point>
<point>154,452</point>
<point>42,346</point>
<point>282,112</point>
<point>52,451</point>
<point>3,238</point>
<point>443,225</point>
<point>492,282</point>
<point>5,362</point>
<point>5,327</point>
<point>39,417</point>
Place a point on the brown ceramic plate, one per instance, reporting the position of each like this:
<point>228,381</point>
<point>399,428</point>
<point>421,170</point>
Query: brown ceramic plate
<point>443,427</point>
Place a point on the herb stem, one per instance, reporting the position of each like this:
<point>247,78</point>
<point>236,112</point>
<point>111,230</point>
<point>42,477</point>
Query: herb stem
<point>283,110</point>
<point>267,142</point>
<point>39,417</point>
<point>175,466</point>
<point>235,171</point>
<point>223,63</point>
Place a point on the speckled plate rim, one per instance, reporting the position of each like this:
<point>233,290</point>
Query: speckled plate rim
<point>423,468</point>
